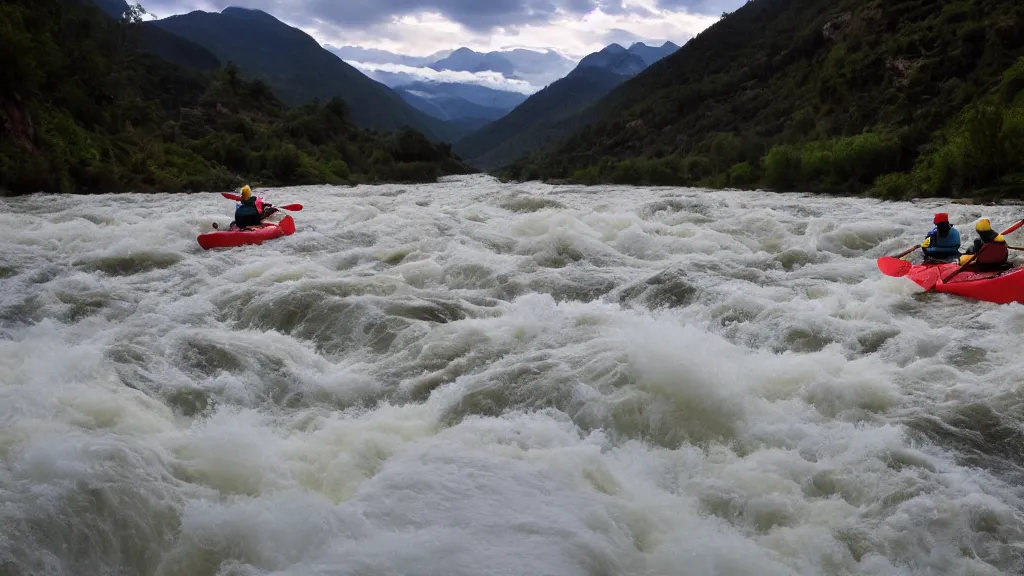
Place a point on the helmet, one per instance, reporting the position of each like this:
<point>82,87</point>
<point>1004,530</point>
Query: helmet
<point>246,192</point>
<point>940,218</point>
<point>983,225</point>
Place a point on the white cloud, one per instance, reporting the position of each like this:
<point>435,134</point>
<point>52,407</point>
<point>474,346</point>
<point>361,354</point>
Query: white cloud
<point>488,79</point>
<point>575,37</point>
<point>416,31</point>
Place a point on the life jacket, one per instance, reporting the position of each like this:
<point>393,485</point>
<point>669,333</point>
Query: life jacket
<point>252,206</point>
<point>993,250</point>
<point>943,246</point>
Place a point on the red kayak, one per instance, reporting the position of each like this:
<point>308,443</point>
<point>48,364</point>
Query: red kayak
<point>253,235</point>
<point>999,287</point>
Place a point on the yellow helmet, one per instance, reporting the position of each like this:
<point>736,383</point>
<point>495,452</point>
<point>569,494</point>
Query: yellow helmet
<point>983,225</point>
<point>246,192</point>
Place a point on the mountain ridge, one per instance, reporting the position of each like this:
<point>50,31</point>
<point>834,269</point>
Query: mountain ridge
<point>891,98</point>
<point>95,111</point>
<point>463,101</point>
<point>454,101</point>
<point>554,111</point>
<point>378,56</point>
<point>298,68</point>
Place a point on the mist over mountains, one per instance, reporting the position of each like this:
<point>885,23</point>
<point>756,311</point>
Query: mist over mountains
<point>492,107</point>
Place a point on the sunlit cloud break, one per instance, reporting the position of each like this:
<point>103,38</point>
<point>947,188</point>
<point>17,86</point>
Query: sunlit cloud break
<point>487,79</point>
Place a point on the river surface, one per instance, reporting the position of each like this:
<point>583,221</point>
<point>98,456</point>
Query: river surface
<point>475,378</point>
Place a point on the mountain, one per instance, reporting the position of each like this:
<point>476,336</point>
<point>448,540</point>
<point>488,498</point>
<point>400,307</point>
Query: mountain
<point>466,60</point>
<point>899,98</point>
<point>448,108</point>
<point>554,111</point>
<point>94,111</point>
<point>615,58</point>
<point>539,68</point>
<point>376,56</point>
<point>463,88</point>
<point>157,41</point>
<point>459,102</point>
<point>472,93</point>
<point>113,8</point>
<point>629,61</point>
<point>298,69</point>
<point>651,54</point>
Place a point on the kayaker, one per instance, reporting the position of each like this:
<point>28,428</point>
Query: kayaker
<point>989,246</point>
<point>252,210</point>
<point>943,242</point>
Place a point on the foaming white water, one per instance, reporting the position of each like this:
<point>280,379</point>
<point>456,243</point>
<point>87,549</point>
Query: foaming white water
<point>477,378</point>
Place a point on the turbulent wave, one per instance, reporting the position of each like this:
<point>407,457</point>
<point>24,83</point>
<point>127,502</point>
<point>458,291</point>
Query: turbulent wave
<point>478,378</point>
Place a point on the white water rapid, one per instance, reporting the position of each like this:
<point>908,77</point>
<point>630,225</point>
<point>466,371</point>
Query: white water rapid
<point>473,378</point>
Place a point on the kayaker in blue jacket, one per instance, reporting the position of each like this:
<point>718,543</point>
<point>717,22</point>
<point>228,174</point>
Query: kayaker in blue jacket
<point>990,246</point>
<point>943,242</point>
<point>252,210</point>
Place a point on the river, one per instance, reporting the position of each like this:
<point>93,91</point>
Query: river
<point>474,378</point>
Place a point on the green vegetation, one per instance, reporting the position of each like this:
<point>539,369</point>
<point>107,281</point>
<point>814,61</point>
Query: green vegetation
<point>298,69</point>
<point>543,118</point>
<point>894,98</point>
<point>85,109</point>
<point>555,112</point>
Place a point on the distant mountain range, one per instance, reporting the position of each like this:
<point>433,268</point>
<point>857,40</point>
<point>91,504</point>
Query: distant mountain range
<point>537,68</point>
<point>298,69</point>
<point>465,104</point>
<point>555,110</point>
<point>462,86</point>
<point>493,107</point>
<point>376,56</point>
<point>506,124</point>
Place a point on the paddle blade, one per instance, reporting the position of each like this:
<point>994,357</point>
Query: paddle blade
<point>893,266</point>
<point>292,207</point>
<point>230,196</point>
<point>287,225</point>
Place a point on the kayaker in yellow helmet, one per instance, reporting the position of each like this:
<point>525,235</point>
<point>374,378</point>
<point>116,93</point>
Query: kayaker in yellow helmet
<point>251,210</point>
<point>990,247</point>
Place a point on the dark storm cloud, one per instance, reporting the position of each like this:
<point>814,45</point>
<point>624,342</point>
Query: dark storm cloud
<point>478,15</point>
<point>474,14</point>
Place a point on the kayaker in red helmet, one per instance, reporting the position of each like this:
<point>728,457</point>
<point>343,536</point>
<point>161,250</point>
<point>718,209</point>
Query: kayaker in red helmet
<point>251,210</point>
<point>943,242</point>
<point>990,247</point>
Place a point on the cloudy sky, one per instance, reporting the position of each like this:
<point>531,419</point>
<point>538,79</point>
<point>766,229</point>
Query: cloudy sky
<point>575,28</point>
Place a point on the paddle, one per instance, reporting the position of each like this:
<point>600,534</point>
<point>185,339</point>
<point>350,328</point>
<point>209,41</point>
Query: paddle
<point>292,207</point>
<point>894,265</point>
<point>969,262</point>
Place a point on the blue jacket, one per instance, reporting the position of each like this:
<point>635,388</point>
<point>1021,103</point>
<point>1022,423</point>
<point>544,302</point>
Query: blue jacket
<point>940,247</point>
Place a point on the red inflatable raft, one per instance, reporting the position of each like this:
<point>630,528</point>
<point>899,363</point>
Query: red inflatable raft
<point>999,287</point>
<point>254,235</point>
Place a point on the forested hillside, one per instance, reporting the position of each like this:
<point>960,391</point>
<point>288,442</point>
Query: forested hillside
<point>542,119</point>
<point>84,109</point>
<point>897,98</point>
<point>298,69</point>
<point>554,112</point>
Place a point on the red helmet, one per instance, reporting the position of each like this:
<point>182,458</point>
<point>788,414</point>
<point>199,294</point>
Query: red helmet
<point>940,218</point>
